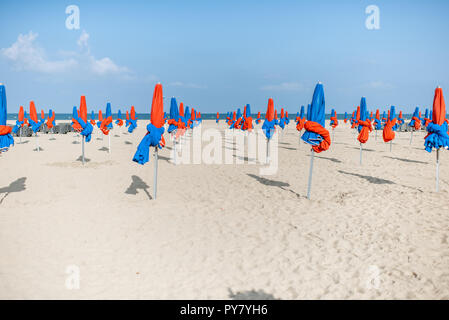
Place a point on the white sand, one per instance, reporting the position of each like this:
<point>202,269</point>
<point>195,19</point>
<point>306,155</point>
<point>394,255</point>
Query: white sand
<point>219,231</point>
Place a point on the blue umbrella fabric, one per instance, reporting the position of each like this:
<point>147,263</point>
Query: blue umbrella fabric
<point>268,125</point>
<point>174,116</point>
<point>109,114</point>
<point>315,134</point>
<point>437,136</point>
<point>6,139</point>
<point>87,127</point>
<point>415,122</point>
<point>155,129</point>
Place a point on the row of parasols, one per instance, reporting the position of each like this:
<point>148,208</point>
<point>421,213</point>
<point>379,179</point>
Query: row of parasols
<point>180,120</point>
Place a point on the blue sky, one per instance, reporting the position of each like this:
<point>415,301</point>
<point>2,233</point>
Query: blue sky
<point>219,55</point>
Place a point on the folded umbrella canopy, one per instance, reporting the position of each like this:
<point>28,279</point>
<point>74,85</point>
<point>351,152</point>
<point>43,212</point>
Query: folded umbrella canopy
<point>415,122</point>
<point>248,120</point>
<point>106,124</point>
<point>81,118</point>
<point>389,128</point>
<point>42,120</point>
<point>437,136</point>
<point>51,119</point>
<point>6,139</point>
<point>228,117</point>
<point>34,122</point>
<point>258,118</point>
<point>127,122</point>
<point>268,125</point>
<point>301,121</point>
<point>427,119</point>
<point>119,120</point>
<point>181,123</point>
<point>377,122</point>
<point>154,137</point>
<point>287,120</point>
<point>92,118</point>
<point>100,118</point>
<point>132,120</point>
<point>19,121</point>
<point>356,119</point>
<point>193,118</point>
<point>218,118</point>
<point>237,124</point>
<point>25,120</point>
<point>333,118</point>
<point>316,135</point>
<point>174,116</point>
<point>346,117</point>
<point>384,118</point>
<point>282,120</point>
<point>400,119</point>
<point>364,124</point>
<point>187,120</point>
<point>109,125</point>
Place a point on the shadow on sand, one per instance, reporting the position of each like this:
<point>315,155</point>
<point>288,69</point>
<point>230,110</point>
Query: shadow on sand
<point>137,184</point>
<point>16,186</point>
<point>406,160</point>
<point>370,179</point>
<point>274,183</point>
<point>80,158</point>
<point>250,295</point>
<point>326,158</point>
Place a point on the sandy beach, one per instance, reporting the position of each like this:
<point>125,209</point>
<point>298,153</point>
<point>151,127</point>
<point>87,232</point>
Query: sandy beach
<point>376,231</point>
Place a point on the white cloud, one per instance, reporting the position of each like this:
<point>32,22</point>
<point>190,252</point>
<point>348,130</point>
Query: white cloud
<point>106,65</point>
<point>186,85</point>
<point>284,86</point>
<point>27,56</point>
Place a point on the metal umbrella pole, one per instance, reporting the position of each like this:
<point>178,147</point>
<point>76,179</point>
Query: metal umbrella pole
<point>361,149</point>
<point>82,148</point>
<point>155,173</point>
<point>438,170</point>
<point>309,186</point>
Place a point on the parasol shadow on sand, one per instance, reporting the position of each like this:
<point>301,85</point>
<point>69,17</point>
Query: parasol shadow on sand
<point>250,295</point>
<point>16,186</point>
<point>136,184</point>
<point>80,158</point>
<point>370,179</point>
<point>407,160</point>
<point>274,183</point>
<point>330,159</point>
